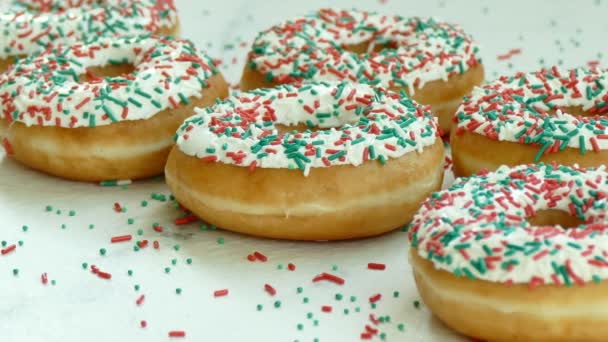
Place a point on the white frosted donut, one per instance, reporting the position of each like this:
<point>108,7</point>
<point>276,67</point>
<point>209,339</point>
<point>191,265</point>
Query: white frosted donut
<point>30,25</point>
<point>517,254</point>
<point>375,156</point>
<point>61,118</point>
<point>434,62</point>
<point>551,115</point>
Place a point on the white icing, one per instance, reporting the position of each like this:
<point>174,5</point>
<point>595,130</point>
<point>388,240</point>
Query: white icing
<point>566,129</point>
<point>165,72</point>
<point>427,49</point>
<point>452,218</point>
<point>23,31</point>
<point>198,137</point>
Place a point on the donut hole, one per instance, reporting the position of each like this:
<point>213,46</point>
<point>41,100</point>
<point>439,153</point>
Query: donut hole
<point>371,46</point>
<point>110,70</point>
<point>552,217</point>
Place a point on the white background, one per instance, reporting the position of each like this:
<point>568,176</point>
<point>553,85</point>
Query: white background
<point>81,306</point>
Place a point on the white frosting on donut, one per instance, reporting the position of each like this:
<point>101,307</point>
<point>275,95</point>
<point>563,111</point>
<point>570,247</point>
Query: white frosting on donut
<point>477,228</point>
<point>514,108</point>
<point>23,30</point>
<point>312,47</point>
<point>364,123</point>
<point>45,89</point>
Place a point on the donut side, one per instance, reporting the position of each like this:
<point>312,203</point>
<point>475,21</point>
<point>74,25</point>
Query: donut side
<point>339,202</point>
<point>124,150</point>
<point>500,312</point>
<point>472,152</point>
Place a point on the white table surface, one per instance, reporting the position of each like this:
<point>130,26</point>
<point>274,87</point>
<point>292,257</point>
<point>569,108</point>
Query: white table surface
<point>76,305</point>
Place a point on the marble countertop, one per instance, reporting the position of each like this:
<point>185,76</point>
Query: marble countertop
<point>61,228</point>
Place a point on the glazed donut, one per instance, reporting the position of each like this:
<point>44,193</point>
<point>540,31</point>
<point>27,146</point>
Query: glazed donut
<point>549,115</point>
<point>436,63</point>
<point>314,161</point>
<point>29,25</point>
<point>517,255</point>
<point>61,116</point>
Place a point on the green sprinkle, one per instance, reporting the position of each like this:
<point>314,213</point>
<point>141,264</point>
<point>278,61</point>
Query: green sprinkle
<point>277,304</point>
<point>102,251</point>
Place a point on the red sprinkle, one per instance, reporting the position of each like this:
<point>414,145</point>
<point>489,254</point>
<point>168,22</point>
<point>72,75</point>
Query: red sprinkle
<point>8,249</point>
<point>260,256</point>
<point>329,277</point>
<point>376,266</point>
<point>185,220</point>
<point>104,275</point>
<point>156,244</point>
<point>140,300</point>
<point>143,324</point>
<point>177,333</point>
<point>271,291</point>
<point>326,308</point>
<point>44,278</point>
<point>291,267</point>
<point>375,298</point>
<point>220,293</point>
<point>117,207</point>
<point>366,336</point>
<point>7,147</point>
<point>121,238</point>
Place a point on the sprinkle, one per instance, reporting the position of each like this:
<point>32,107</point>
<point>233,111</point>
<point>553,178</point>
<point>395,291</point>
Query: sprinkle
<point>121,238</point>
<point>186,220</point>
<point>376,266</point>
<point>375,298</point>
<point>260,256</point>
<point>268,288</point>
<point>8,249</point>
<point>177,333</point>
<point>328,277</point>
<point>220,293</point>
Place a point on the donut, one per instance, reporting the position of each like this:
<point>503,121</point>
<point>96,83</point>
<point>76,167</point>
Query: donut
<point>309,161</point>
<point>434,62</point>
<point>106,109</point>
<point>544,116</point>
<point>29,25</point>
<point>517,255</point>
